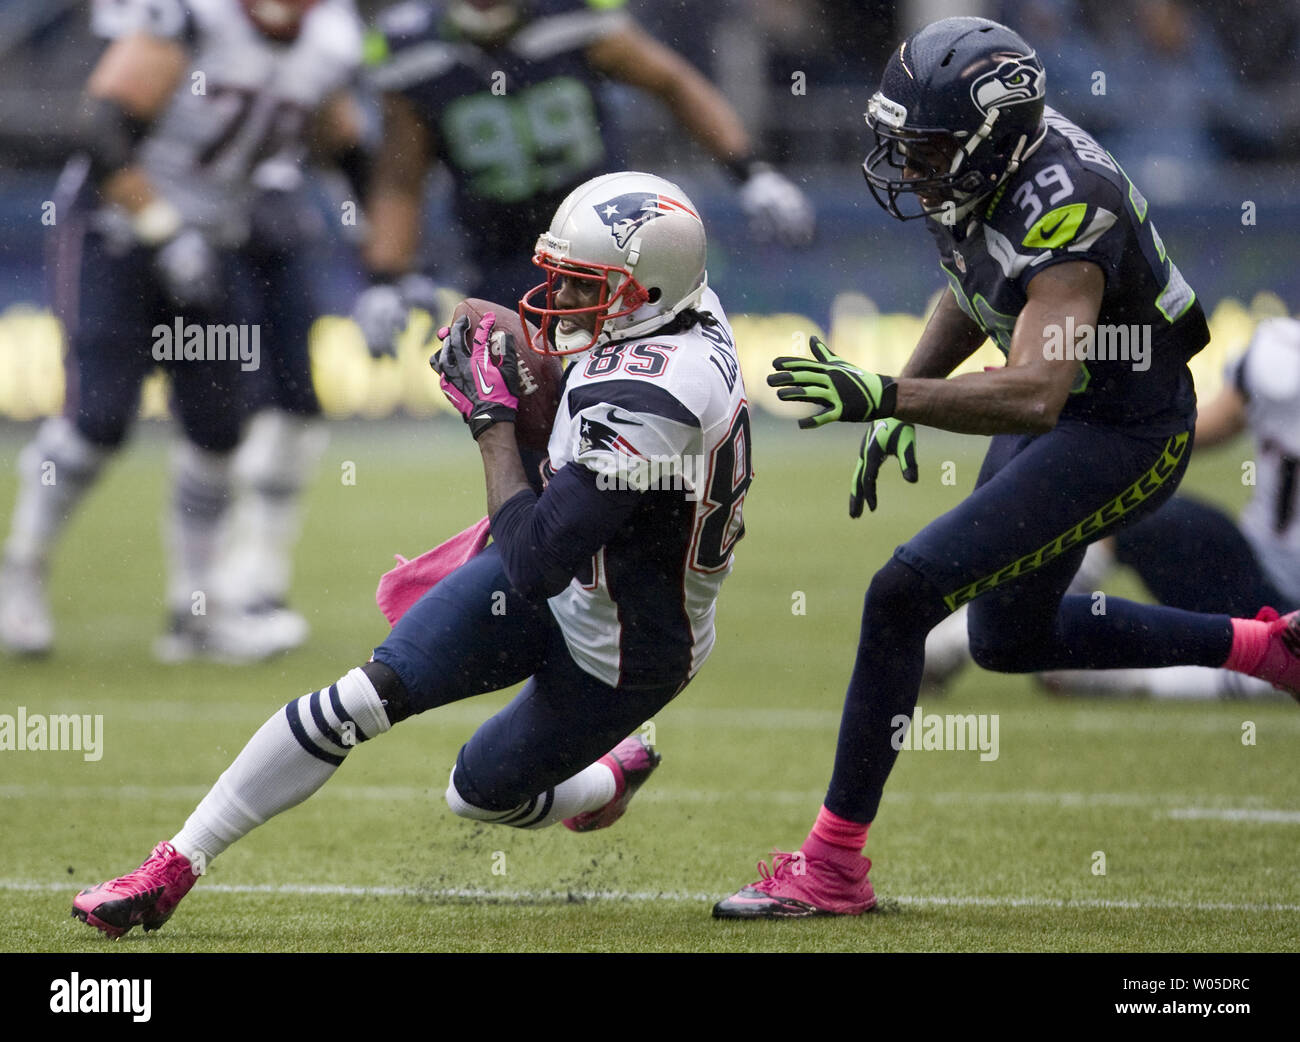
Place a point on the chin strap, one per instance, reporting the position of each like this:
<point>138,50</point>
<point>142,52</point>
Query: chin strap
<point>1019,154</point>
<point>1024,150</point>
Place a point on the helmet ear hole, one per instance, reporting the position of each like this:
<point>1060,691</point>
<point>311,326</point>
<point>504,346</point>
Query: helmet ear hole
<point>653,294</point>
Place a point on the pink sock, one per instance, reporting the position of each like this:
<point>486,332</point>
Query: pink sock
<point>838,833</point>
<point>1249,642</point>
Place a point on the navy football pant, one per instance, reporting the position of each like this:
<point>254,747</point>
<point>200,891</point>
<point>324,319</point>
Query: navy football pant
<point>472,634</point>
<point>1010,550</point>
<point>1192,555</point>
<point>280,265</point>
<point>280,286</point>
<point>110,306</point>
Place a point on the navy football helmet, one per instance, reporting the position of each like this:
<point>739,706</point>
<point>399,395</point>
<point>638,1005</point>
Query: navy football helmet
<point>960,106</point>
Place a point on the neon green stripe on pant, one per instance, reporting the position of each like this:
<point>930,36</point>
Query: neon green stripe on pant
<point>1133,496</point>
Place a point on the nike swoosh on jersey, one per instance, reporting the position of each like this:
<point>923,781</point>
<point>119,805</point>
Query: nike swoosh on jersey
<point>615,416</point>
<point>1046,233</point>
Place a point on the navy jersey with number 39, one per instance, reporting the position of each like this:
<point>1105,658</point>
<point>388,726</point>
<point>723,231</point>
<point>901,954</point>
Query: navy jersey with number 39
<point>1071,201</point>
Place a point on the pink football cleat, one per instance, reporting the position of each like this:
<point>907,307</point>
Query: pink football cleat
<point>798,887</point>
<point>1280,663</point>
<point>147,896</point>
<point>631,760</point>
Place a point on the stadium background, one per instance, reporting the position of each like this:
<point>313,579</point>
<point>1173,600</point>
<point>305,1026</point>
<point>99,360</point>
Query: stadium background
<point>1201,102</point>
<point>1202,106</point>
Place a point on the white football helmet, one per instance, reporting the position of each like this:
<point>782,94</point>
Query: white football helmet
<point>636,234</point>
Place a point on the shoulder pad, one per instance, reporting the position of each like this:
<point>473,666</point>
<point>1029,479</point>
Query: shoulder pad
<point>166,19</point>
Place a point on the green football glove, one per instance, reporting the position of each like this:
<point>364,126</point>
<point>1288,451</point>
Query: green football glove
<point>886,438</point>
<point>844,391</point>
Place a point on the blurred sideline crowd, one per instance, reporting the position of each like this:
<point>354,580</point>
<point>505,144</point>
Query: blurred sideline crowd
<point>1191,83</point>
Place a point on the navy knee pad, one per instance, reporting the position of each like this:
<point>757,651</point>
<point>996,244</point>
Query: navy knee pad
<point>1005,657</point>
<point>900,595</point>
<point>392,692</point>
<point>492,805</point>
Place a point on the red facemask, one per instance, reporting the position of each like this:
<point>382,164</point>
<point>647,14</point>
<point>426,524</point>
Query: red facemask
<point>628,296</point>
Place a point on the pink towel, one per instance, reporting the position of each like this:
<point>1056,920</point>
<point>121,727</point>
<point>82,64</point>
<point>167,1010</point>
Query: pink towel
<point>410,580</point>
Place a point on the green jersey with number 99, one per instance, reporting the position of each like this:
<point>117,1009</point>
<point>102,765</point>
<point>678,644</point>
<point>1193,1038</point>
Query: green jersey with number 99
<point>518,124</point>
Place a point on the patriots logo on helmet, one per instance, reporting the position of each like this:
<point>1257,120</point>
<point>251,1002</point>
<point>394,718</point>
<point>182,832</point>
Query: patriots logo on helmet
<point>1017,78</point>
<point>624,214</point>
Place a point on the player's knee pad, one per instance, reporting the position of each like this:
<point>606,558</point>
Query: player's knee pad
<point>462,807</point>
<point>1004,637</point>
<point>392,693</point>
<point>999,655</point>
<point>529,814</point>
<point>213,426</point>
<point>202,481</point>
<point>222,441</point>
<point>506,807</point>
<point>278,452</point>
<point>103,424</point>
<point>61,445</point>
<point>899,595</point>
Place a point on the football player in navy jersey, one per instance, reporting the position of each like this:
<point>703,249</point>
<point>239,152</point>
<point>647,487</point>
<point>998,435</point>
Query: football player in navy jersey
<point>600,592</point>
<point>1050,250</point>
<point>506,96</point>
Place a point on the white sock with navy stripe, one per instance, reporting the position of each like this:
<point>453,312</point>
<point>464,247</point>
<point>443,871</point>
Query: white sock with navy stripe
<point>55,471</point>
<point>589,789</point>
<point>291,756</point>
<point>200,497</point>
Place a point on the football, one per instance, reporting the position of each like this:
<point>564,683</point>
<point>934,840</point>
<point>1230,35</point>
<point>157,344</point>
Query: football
<point>540,375</point>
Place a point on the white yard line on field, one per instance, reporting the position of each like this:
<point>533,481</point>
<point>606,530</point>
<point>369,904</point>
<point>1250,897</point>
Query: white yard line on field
<point>1173,805</point>
<point>1031,719</point>
<point>1265,817</point>
<point>678,896</point>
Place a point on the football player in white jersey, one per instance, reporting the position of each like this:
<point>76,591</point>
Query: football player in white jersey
<point>1190,554</point>
<point>1263,393</point>
<point>599,592</point>
<point>187,99</point>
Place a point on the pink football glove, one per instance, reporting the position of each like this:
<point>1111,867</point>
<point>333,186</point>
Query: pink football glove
<point>479,377</point>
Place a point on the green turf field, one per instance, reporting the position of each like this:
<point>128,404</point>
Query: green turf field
<point>1200,832</point>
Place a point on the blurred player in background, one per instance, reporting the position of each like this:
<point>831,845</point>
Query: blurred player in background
<point>600,592</point>
<point>285,436</point>
<point>1189,554</point>
<point>189,97</point>
<point>1045,243</point>
<point>506,95</point>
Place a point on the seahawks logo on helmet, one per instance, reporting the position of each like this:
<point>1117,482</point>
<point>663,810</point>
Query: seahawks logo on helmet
<point>1017,78</point>
<point>624,214</point>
